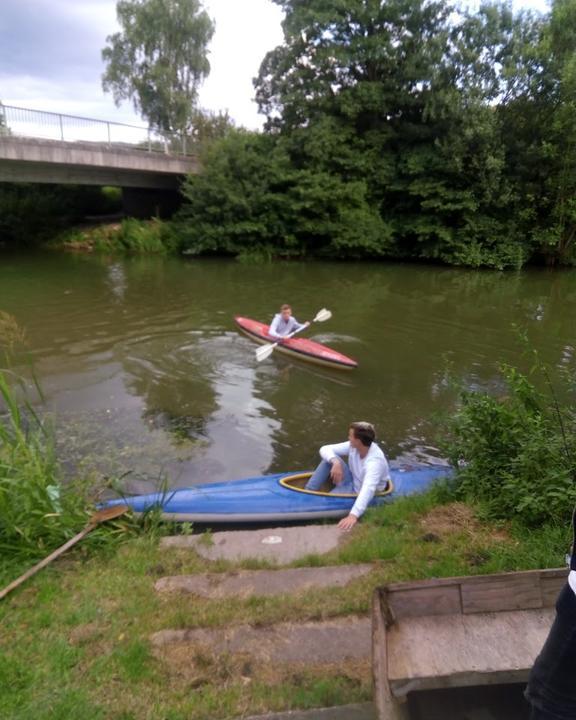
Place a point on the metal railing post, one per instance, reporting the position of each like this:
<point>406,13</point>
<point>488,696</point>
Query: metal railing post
<point>26,122</point>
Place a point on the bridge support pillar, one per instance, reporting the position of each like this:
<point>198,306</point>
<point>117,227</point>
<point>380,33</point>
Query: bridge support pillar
<point>149,202</point>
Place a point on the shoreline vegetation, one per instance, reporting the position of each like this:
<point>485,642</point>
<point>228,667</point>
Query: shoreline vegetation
<point>75,640</point>
<point>469,164</point>
<point>408,130</point>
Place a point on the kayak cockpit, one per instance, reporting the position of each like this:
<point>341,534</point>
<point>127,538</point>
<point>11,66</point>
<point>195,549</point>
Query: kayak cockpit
<point>298,482</point>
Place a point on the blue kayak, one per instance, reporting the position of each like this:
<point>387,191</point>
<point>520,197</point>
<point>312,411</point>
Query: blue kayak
<point>271,498</point>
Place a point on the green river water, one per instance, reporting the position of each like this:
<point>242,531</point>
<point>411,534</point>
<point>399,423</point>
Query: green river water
<point>144,372</point>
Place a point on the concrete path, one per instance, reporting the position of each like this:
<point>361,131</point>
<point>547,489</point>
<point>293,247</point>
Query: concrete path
<point>358,711</point>
<point>246,583</point>
<point>281,545</point>
<point>311,642</point>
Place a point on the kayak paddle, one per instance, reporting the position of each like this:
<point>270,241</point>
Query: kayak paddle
<point>96,519</point>
<point>265,351</point>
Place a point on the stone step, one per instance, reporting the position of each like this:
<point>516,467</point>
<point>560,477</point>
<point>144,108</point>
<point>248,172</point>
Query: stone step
<point>246,583</point>
<point>280,545</point>
<point>357,711</point>
<point>329,641</point>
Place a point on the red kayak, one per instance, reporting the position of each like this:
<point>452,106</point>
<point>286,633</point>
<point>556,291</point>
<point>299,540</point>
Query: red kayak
<point>297,347</point>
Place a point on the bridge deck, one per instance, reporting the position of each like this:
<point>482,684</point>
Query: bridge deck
<point>24,159</point>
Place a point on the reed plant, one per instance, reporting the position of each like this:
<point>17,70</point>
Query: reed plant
<point>37,512</point>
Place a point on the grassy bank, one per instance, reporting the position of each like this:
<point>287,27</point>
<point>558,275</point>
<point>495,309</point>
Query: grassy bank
<point>75,641</point>
<point>128,237</point>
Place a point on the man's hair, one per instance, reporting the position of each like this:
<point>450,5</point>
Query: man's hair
<point>285,307</point>
<point>364,431</point>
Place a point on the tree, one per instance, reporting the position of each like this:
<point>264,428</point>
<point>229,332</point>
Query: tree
<point>539,128</point>
<point>159,60</point>
<point>401,95</point>
<point>209,126</point>
<point>250,200</point>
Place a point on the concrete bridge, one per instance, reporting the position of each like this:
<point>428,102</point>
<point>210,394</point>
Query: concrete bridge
<point>25,159</point>
<point>42,147</point>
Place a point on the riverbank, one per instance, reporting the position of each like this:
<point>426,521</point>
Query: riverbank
<point>147,345</point>
<point>126,237</point>
<point>76,639</point>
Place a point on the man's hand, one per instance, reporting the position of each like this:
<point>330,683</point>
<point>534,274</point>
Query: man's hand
<point>337,472</point>
<point>307,323</point>
<point>348,522</point>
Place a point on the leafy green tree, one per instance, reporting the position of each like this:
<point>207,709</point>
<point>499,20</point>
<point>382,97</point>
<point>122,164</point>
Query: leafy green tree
<point>407,129</point>
<point>210,126</point>
<point>159,59</point>
<point>251,200</point>
<point>549,106</point>
<point>401,94</point>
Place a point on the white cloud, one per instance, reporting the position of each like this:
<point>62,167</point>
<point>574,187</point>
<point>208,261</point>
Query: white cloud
<point>245,31</point>
<point>50,56</point>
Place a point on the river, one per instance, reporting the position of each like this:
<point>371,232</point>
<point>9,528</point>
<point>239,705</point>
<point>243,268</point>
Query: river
<point>144,373</point>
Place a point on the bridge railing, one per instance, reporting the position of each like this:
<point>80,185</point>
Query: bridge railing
<point>23,122</point>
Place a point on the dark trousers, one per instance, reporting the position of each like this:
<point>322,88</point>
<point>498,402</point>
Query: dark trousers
<point>552,684</point>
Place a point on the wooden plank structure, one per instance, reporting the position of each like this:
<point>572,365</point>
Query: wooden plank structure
<point>458,632</point>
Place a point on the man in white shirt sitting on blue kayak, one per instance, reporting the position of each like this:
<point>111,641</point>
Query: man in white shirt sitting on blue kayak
<point>366,473</point>
<point>284,324</point>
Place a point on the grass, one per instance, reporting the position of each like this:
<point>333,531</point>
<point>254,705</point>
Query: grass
<point>35,514</point>
<point>38,512</point>
<point>129,237</point>
<point>75,640</point>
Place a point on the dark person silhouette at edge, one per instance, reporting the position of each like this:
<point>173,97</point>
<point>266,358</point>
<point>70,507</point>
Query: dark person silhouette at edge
<point>552,683</point>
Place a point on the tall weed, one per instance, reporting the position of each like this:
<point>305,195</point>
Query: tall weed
<point>130,237</point>
<point>36,512</point>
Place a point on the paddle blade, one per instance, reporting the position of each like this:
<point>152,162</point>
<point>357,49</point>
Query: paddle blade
<point>265,351</point>
<point>322,315</point>
<point>109,513</point>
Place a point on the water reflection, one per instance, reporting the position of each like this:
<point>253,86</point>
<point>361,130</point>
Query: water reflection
<point>117,279</point>
<point>142,366</point>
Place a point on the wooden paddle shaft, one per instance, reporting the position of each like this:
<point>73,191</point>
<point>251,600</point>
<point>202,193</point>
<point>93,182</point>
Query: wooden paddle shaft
<point>47,560</point>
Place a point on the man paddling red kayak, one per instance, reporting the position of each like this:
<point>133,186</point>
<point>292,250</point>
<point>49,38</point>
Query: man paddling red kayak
<point>285,324</point>
<point>298,347</point>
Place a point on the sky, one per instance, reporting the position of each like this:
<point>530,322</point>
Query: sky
<point>50,55</point>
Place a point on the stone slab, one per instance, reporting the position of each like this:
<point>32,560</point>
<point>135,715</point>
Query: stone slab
<point>357,711</point>
<point>329,641</point>
<point>281,545</point>
<point>246,583</point>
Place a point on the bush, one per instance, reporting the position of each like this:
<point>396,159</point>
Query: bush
<point>130,237</point>
<point>515,454</point>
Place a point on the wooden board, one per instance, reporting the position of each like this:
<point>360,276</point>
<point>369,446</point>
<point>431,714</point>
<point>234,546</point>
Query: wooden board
<point>477,593</point>
<point>460,650</point>
<point>459,632</point>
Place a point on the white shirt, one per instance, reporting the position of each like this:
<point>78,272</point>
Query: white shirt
<point>572,580</point>
<point>370,473</point>
<point>280,327</point>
